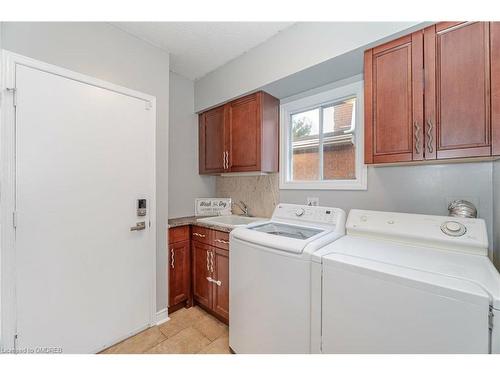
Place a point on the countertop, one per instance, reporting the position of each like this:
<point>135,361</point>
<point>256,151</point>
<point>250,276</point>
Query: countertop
<point>192,220</point>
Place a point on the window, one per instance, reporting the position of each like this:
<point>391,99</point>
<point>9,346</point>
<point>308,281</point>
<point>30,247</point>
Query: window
<point>322,141</point>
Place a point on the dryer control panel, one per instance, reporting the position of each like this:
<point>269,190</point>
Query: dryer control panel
<point>311,214</point>
<point>442,232</point>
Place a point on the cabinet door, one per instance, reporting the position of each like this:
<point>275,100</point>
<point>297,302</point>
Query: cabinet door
<point>457,108</point>
<point>202,288</point>
<point>211,141</point>
<point>394,101</point>
<point>179,273</point>
<point>244,134</point>
<point>220,304</point>
<point>495,87</point>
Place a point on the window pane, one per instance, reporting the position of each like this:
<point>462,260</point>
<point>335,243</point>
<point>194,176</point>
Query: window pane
<point>339,157</point>
<point>305,145</point>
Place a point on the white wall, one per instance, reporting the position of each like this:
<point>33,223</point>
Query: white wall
<point>103,51</point>
<point>185,184</point>
<point>296,48</point>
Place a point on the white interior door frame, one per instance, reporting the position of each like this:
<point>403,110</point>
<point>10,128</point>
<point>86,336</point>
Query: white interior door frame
<point>9,60</point>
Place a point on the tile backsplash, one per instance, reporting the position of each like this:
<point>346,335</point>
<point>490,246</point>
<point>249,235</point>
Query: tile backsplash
<point>260,193</point>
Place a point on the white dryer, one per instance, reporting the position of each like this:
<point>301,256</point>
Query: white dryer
<point>403,283</point>
<point>270,278</point>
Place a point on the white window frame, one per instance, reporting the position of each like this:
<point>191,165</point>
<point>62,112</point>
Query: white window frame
<point>313,101</point>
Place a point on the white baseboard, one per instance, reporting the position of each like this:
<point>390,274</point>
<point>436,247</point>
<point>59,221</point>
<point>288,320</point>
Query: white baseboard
<point>162,317</point>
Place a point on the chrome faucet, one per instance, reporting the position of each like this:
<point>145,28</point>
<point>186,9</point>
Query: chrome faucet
<point>243,207</point>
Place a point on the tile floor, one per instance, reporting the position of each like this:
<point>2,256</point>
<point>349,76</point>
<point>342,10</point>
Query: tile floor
<point>188,331</point>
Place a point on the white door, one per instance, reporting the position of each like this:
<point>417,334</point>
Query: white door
<point>84,155</point>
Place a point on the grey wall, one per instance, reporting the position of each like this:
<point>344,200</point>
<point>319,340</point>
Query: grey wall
<point>103,51</point>
<point>423,189</point>
<point>185,184</point>
<point>496,212</point>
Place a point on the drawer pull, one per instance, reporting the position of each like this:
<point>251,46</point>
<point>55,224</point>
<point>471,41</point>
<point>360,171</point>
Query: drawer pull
<point>222,241</point>
<point>217,282</point>
<point>199,235</point>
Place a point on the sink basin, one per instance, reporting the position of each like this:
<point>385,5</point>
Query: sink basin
<point>231,221</point>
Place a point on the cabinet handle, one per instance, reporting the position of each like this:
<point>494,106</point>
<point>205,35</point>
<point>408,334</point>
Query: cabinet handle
<point>199,235</point>
<point>218,282</point>
<point>208,261</point>
<point>429,136</point>
<point>226,159</point>
<point>222,241</point>
<point>223,159</point>
<point>172,258</point>
<point>212,261</point>
<point>417,137</point>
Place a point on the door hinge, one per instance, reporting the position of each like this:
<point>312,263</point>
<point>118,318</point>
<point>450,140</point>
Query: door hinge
<point>16,336</point>
<point>14,219</point>
<point>148,105</point>
<point>13,90</point>
<point>490,319</point>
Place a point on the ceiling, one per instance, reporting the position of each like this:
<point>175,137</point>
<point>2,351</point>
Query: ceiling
<point>197,48</point>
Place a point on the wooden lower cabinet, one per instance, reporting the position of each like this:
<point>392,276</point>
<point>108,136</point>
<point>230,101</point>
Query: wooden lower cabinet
<point>198,263</point>
<point>179,275</point>
<point>202,288</point>
<point>211,276</point>
<point>220,288</point>
<point>179,268</point>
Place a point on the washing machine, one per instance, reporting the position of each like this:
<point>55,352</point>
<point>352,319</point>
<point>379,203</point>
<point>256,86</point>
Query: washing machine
<point>270,305</point>
<point>405,283</point>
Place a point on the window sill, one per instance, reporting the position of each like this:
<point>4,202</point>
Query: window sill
<point>324,185</point>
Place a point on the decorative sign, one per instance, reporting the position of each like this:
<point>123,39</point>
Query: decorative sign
<point>212,206</point>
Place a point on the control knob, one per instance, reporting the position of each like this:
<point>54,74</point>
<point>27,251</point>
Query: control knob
<point>453,228</point>
<point>299,212</point>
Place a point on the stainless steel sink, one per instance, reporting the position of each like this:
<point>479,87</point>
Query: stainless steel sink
<point>231,221</point>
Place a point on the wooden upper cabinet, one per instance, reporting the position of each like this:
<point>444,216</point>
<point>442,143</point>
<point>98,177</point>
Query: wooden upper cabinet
<point>247,136</point>
<point>244,132</point>
<point>495,87</point>
<point>211,141</point>
<point>457,90</point>
<point>434,94</point>
<point>393,100</point>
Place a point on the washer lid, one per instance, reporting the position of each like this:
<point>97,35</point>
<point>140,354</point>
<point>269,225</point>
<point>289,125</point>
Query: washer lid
<point>282,236</point>
<point>457,271</point>
<point>287,230</point>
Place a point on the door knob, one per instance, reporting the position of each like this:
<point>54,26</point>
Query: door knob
<point>141,225</point>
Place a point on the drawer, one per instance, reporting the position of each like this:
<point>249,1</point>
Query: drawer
<point>178,234</point>
<point>201,234</point>
<point>221,240</point>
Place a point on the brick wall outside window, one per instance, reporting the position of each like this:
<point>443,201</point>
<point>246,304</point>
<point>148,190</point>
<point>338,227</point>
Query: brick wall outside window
<point>338,160</point>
